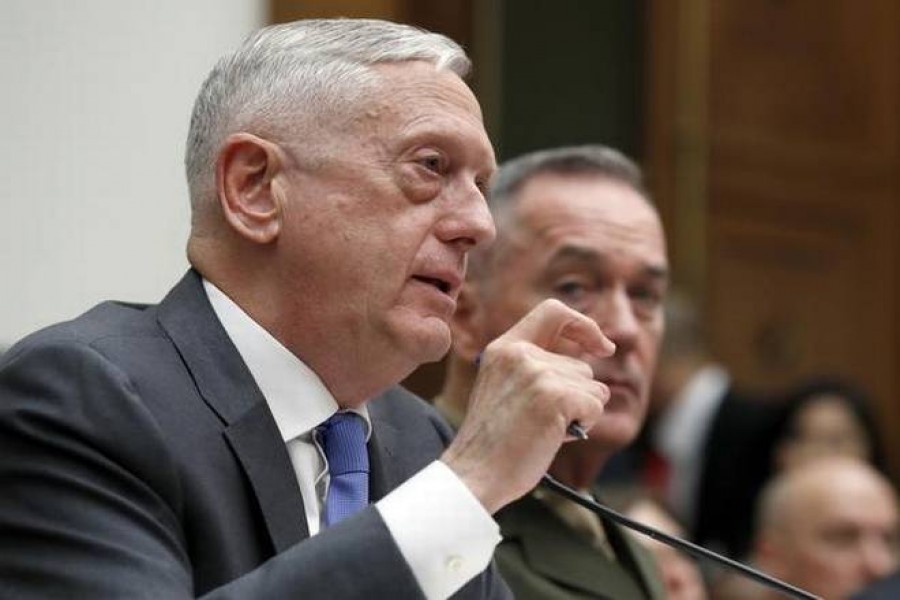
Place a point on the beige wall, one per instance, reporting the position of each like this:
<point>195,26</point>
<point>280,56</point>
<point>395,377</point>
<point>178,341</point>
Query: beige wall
<point>95,105</point>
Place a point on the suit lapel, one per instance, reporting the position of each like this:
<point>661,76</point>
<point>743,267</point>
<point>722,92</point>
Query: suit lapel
<point>388,464</point>
<point>227,386</point>
<point>270,473</point>
<point>404,439</point>
<point>215,364</point>
<point>382,475</point>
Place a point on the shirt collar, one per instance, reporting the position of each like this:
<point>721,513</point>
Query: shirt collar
<point>296,396</point>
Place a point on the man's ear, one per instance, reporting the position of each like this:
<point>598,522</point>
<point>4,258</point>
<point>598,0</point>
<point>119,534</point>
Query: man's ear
<point>245,176</point>
<point>465,326</point>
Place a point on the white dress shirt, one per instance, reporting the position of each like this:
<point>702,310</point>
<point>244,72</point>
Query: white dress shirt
<point>681,434</point>
<point>442,530</point>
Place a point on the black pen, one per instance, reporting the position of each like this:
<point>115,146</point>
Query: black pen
<point>576,430</point>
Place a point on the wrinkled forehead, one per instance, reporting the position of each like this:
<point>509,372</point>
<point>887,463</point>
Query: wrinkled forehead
<point>581,191</point>
<point>602,212</point>
<point>405,104</point>
<point>417,82</point>
<point>413,101</point>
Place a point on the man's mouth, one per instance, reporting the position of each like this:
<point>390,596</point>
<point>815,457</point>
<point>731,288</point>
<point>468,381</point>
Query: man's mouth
<point>440,284</point>
<point>621,384</point>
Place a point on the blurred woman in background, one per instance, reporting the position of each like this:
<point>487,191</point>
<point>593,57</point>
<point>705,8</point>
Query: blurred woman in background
<point>825,417</point>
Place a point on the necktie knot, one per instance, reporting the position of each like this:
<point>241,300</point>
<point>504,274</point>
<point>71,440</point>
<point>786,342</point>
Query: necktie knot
<point>343,440</point>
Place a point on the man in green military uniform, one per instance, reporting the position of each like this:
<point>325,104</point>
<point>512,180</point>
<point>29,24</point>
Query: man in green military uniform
<point>573,224</point>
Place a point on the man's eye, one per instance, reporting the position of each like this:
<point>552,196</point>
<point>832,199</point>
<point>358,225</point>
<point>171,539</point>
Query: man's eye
<point>578,295</point>
<point>433,162</point>
<point>568,291</point>
<point>646,297</point>
<point>842,537</point>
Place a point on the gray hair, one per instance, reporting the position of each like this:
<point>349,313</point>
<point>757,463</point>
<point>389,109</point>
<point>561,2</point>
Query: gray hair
<point>299,74</point>
<point>587,160</point>
<point>592,159</point>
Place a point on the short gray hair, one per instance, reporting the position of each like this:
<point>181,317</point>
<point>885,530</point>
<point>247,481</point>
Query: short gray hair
<point>301,71</point>
<point>586,160</point>
<point>591,159</point>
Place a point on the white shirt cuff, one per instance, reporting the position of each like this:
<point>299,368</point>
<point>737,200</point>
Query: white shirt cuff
<point>442,530</point>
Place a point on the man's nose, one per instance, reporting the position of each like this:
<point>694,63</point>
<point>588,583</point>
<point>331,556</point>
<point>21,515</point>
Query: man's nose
<point>468,220</point>
<point>614,313</point>
<point>879,558</point>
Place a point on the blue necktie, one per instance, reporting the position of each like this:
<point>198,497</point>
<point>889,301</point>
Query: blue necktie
<point>343,439</point>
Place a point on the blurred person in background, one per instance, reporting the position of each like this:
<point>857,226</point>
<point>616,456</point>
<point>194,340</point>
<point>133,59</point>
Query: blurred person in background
<point>826,416</point>
<point>704,449</point>
<point>829,528</point>
<point>573,224</point>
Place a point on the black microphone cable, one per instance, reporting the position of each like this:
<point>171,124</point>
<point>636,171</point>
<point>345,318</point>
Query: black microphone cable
<point>677,543</point>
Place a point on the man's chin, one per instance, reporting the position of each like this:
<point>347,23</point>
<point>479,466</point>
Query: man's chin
<point>614,434</point>
<point>428,340</point>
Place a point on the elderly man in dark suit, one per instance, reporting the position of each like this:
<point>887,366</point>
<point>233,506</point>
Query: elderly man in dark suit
<point>245,437</point>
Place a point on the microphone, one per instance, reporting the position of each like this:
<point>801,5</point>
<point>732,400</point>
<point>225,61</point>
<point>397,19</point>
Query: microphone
<point>576,430</point>
<point>679,544</point>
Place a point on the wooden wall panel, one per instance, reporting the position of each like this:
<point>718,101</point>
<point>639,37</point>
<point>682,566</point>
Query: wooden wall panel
<point>805,77</point>
<point>281,11</point>
<point>797,288</point>
<point>801,186</point>
<point>453,18</point>
<point>802,169</point>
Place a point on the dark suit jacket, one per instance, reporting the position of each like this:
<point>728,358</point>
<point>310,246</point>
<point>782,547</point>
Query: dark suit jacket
<point>737,458</point>
<point>138,459</point>
<point>543,559</point>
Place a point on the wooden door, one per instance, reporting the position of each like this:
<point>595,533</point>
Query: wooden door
<point>775,145</point>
